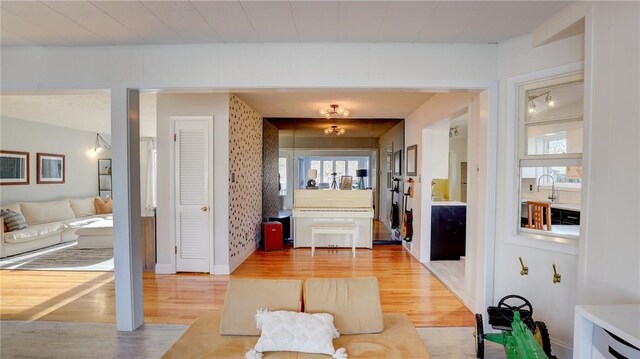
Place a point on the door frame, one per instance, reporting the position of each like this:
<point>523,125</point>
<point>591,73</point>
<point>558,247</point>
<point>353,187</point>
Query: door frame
<point>480,254</point>
<point>172,195</point>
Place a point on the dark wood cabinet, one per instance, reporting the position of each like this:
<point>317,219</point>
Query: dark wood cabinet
<point>448,232</point>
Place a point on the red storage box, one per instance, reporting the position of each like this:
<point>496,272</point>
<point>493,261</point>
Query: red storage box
<point>272,236</point>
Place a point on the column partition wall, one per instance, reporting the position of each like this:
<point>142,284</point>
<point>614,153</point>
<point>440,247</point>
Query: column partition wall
<point>125,132</point>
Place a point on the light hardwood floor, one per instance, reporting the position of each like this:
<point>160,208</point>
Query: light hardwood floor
<point>405,286</point>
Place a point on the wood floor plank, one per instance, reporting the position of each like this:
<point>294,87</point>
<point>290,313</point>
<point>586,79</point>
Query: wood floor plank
<point>405,286</point>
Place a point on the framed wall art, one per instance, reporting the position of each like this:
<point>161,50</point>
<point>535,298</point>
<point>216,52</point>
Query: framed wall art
<point>50,168</point>
<point>397,163</point>
<point>412,160</point>
<point>14,168</point>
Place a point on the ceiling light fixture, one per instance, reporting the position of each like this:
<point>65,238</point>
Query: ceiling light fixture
<point>335,110</point>
<point>101,144</point>
<point>334,130</point>
<point>547,98</point>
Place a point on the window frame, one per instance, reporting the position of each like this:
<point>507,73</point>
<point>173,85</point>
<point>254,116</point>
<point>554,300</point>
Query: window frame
<point>283,191</point>
<point>513,145</point>
<point>362,163</point>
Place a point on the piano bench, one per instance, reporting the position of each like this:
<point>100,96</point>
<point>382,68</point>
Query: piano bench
<point>334,229</point>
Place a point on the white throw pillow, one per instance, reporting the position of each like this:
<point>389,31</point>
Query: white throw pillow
<point>295,332</point>
<point>83,207</point>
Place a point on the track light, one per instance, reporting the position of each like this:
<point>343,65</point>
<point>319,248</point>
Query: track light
<point>547,99</point>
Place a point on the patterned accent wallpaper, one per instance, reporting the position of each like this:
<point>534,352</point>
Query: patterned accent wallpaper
<point>270,158</point>
<point>245,179</point>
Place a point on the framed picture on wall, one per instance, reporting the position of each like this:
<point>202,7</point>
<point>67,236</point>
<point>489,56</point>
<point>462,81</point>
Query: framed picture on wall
<point>50,168</point>
<point>412,160</point>
<point>14,168</point>
<point>397,163</point>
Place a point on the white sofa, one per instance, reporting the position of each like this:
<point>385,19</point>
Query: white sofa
<point>48,223</point>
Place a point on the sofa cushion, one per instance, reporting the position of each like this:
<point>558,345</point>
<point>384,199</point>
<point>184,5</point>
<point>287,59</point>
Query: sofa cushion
<point>34,232</point>
<point>203,340</point>
<point>103,227</point>
<point>246,296</point>
<point>13,220</point>
<point>103,207</point>
<point>83,207</point>
<point>46,212</point>
<point>85,221</point>
<point>354,303</point>
<point>295,332</point>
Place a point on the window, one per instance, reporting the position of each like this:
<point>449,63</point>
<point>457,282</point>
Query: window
<point>550,156</point>
<point>282,174</point>
<point>342,166</point>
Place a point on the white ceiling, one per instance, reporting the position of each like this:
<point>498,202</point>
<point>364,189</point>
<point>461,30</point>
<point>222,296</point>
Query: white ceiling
<point>86,111</point>
<point>85,23</point>
<point>361,104</point>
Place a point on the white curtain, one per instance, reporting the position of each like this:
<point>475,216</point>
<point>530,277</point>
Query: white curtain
<point>150,198</point>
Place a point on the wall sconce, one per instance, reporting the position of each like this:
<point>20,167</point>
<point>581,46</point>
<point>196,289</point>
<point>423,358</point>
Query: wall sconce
<point>101,144</point>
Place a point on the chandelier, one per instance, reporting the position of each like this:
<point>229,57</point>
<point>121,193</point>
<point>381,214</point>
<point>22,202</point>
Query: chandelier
<point>334,130</point>
<point>335,110</point>
<point>547,98</point>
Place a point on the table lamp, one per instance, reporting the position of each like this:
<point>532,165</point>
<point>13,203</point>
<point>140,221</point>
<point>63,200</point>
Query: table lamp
<point>361,174</point>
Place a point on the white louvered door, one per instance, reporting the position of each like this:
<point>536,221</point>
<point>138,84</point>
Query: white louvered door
<point>192,186</point>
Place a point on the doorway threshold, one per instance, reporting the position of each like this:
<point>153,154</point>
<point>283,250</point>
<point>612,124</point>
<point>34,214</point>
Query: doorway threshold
<point>450,274</point>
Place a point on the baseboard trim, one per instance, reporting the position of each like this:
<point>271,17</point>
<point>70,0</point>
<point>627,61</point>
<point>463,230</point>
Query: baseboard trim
<point>561,349</point>
<point>221,269</point>
<point>165,269</point>
<point>242,258</point>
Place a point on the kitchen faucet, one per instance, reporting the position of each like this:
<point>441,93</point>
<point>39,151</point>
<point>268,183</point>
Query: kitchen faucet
<point>552,197</point>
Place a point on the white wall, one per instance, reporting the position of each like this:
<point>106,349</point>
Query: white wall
<point>81,167</point>
<point>457,155</point>
<point>248,65</point>
<point>609,270</point>
<point>186,104</point>
<point>553,303</point>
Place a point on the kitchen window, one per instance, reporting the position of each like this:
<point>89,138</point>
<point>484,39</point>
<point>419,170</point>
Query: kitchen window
<point>550,144</point>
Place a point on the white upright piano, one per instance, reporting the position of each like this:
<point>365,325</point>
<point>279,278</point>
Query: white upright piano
<point>324,208</point>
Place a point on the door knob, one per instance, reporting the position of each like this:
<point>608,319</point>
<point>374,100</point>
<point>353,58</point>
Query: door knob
<point>204,208</point>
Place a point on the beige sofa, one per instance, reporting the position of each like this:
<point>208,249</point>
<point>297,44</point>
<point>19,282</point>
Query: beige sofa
<point>354,303</point>
<point>48,223</point>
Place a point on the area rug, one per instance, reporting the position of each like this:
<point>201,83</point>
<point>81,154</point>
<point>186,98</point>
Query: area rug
<point>63,257</point>
<point>456,343</point>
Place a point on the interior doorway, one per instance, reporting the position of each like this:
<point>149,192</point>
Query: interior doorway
<point>449,181</point>
<point>192,174</point>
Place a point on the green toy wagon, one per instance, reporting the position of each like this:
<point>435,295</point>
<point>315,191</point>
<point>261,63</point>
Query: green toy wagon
<point>522,337</point>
